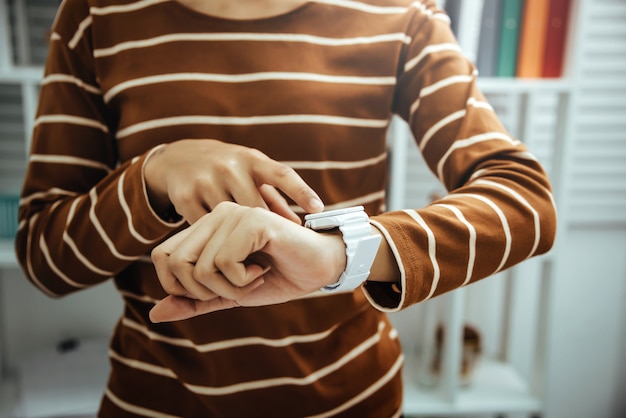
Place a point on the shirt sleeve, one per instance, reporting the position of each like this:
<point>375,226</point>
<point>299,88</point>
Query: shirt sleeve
<point>499,208</point>
<point>84,216</point>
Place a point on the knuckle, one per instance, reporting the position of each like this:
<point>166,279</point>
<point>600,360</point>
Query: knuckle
<point>182,196</point>
<point>201,273</point>
<point>223,263</point>
<point>304,191</point>
<point>238,282</point>
<point>254,154</point>
<point>158,255</point>
<point>225,206</point>
<point>231,273</point>
<point>227,166</point>
<point>170,287</point>
<point>176,260</point>
<point>283,170</point>
<point>256,213</point>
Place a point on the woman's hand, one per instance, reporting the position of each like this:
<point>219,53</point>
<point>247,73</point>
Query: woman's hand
<point>242,256</point>
<point>196,175</point>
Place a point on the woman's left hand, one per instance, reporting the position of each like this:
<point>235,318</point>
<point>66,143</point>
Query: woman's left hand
<point>242,256</point>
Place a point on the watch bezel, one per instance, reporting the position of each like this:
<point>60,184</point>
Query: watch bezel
<point>332,218</point>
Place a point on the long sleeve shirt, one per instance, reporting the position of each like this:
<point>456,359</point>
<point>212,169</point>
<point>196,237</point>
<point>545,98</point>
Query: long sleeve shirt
<point>314,88</point>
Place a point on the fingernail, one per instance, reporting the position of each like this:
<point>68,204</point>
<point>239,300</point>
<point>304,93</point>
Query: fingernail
<point>316,205</point>
<point>154,319</point>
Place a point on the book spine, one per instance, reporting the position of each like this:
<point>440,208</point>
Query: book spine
<point>554,53</point>
<point>532,38</point>
<point>470,19</point>
<point>509,35</point>
<point>453,8</point>
<point>489,38</point>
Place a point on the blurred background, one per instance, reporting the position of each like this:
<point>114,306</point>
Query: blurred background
<point>545,339</point>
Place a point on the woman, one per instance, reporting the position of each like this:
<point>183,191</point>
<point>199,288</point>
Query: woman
<point>218,125</point>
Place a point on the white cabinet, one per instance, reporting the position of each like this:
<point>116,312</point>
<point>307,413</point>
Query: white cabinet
<point>574,125</point>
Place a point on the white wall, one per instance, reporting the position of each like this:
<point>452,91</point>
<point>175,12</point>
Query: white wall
<point>587,371</point>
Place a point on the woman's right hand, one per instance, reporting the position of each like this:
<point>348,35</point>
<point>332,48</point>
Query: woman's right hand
<point>241,256</point>
<point>196,175</point>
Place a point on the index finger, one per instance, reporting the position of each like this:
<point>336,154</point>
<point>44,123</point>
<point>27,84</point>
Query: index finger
<point>285,178</point>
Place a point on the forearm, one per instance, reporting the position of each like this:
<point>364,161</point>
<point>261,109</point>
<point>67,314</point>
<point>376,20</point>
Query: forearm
<point>69,240</point>
<point>385,267</point>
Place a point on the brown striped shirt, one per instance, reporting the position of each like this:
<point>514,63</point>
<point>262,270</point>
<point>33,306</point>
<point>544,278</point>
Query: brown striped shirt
<point>314,88</point>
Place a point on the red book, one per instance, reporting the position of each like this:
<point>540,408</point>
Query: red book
<point>554,53</point>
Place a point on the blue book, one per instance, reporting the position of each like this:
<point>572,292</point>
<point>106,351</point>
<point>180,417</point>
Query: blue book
<point>489,38</point>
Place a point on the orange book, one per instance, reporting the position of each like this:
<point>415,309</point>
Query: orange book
<point>533,38</point>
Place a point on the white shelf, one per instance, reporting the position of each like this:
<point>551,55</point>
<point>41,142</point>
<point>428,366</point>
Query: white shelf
<point>496,388</point>
<point>21,74</point>
<point>523,85</point>
<point>7,254</point>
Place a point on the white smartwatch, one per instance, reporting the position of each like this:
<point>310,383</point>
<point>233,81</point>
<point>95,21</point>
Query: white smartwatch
<point>361,246</point>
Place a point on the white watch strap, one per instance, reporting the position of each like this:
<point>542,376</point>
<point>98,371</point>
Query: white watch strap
<point>361,249</point>
<point>361,245</point>
<point>360,256</point>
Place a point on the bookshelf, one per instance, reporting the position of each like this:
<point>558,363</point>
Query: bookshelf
<point>511,375</point>
<point>513,38</point>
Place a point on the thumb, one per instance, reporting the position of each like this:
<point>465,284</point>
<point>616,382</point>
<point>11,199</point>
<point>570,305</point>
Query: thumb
<point>176,308</point>
<point>173,308</point>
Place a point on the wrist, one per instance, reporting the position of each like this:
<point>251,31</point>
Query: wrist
<point>385,267</point>
<point>153,184</point>
<point>337,257</point>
